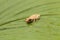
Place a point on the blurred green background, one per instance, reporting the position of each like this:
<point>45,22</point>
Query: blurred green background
<point>14,27</point>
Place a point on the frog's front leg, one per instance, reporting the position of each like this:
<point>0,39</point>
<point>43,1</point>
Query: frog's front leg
<point>34,20</point>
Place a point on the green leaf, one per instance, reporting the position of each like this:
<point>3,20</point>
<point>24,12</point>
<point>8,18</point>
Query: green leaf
<point>14,12</point>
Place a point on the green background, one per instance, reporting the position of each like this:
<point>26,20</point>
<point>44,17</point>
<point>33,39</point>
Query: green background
<point>14,27</point>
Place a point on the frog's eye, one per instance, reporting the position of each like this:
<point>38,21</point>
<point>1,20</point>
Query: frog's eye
<point>31,20</point>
